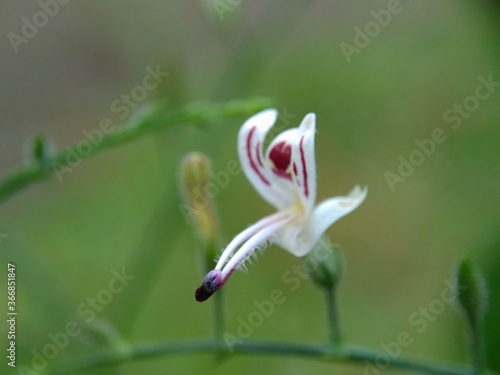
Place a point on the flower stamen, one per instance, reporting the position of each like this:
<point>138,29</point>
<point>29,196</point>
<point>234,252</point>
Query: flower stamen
<point>246,234</point>
<point>253,243</point>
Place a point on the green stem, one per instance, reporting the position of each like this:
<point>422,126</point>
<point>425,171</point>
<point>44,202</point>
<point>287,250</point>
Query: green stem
<point>477,349</point>
<point>333,315</point>
<point>155,119</point>
<point>218,315</point>
<point>359,356</point>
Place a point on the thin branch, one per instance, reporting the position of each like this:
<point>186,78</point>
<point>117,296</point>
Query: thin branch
<point>358,356</point>
<point>156,118</point>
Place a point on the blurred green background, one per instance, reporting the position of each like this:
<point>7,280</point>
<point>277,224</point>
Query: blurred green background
<point>120,208</point>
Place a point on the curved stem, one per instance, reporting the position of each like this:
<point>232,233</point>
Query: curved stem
<point>155,119</point>
<point>360,356</point>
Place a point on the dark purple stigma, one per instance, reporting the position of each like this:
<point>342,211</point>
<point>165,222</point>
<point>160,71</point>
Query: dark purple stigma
<point>212,282</point>
<point>201,295</point>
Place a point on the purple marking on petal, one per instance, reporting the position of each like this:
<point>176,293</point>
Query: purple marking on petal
<point>281,155</point>
<point>259,160</point>
<point>304,167</point>
<point>282,174</point>
<point>250,157</point>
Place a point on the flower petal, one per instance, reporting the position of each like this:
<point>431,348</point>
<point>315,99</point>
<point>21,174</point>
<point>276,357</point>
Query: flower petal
<point>305,160</point>
<point>299,240</point>
<point>291,157</point>
<point>250,148</point>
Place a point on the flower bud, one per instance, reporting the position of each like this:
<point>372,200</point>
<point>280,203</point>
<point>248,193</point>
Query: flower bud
<point>329,264</point>
<point>41,149</point>
<point>472,293</point>
<point>198,208</point>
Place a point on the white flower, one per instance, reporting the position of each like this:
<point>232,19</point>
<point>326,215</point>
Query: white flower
<point>285,176</point>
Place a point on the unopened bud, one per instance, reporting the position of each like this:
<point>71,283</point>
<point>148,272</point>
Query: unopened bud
<point>330,264</point>
<point>41,149</point>
<point>198,208</point>
<point>472,292</point>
